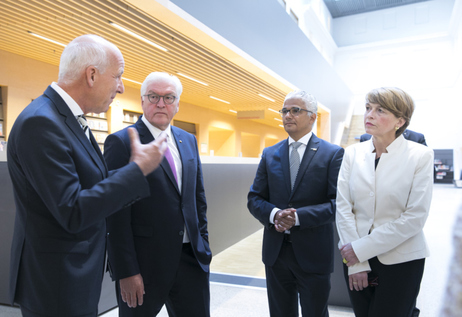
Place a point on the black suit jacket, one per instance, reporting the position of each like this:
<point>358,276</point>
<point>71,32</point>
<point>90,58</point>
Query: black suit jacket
<point>313,196</point>
<point>63,194</point>
<point>408,135</point>
<point>147,237</point>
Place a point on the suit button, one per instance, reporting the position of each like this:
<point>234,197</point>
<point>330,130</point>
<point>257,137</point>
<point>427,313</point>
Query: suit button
<point>181,233</point>
<point>290,205</point>
<point>371,194</point>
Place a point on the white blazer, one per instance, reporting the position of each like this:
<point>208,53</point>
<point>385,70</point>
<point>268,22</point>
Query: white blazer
<point>382,211</point>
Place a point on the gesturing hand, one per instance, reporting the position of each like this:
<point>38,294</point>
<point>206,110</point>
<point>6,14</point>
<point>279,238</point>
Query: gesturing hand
<point>147,156</point>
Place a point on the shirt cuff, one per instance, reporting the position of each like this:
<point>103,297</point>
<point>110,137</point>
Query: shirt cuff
<point>273,213</point>
<point>297,221</point>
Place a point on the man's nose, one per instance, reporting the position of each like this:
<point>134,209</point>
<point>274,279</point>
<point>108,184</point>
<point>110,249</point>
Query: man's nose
<point>121,87</point>
<point>161,103</point>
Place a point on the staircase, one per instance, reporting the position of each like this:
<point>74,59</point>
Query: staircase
<point>351,135</point>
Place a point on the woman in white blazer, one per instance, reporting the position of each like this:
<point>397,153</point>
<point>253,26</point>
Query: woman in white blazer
<point>384,194</point>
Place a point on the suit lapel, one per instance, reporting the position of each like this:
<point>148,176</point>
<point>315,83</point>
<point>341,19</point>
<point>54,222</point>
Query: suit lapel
<point>146,137</point>
<point>176,133</point>
<point>283,156</point>
<point>77,130</point>
<point>98,151</point>
<point>310,152</point>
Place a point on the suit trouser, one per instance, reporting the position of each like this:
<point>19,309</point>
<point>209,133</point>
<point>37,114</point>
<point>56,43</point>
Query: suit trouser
<point>27,313</point>
<point>188,296</point>
<point>286,281</point>
<point>396,292</point>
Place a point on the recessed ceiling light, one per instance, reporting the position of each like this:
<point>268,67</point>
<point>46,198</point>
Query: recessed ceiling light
<point>46,39</point>
<point>133,81</point>
<point>266,97</point>
<point>220,100</point>
<point>233,111</point>
<point>273,110</point>
<point>193,79</point>
<point>138,37</point>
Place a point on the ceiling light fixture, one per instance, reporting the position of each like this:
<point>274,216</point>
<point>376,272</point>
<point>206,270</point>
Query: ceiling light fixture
<point>233,111</point>
<point>138,37</point>
<point>281,126</point>
<point>220,100</point>
<point>273,110</point>
<point>46,39</point>
<point>193,79</point>
<point>278,119</point>
<point>266,97</point>
<point>133,81</point>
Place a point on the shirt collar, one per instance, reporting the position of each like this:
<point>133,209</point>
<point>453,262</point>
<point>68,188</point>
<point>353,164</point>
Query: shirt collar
<point>75,108</point>
<point>304,140</point>
<point>156,131</point>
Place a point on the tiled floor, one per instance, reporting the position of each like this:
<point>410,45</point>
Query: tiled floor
<point>244,259</point>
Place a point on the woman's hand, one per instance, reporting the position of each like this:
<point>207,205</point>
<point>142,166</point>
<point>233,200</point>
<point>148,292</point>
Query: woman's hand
<point>358,281</point>
<point>349,255</point>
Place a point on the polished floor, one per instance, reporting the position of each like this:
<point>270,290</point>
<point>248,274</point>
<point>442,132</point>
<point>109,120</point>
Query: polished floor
<point>237,287</point>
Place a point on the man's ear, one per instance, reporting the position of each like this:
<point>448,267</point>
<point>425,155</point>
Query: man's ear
<point>90,75</point>
<point>313,117</point>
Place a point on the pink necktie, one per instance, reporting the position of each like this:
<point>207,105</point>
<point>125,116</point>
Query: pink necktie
<point>169,157</point>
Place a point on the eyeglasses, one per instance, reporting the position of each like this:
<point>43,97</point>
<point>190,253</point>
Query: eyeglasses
<point>294,111</point>
<point>154,99</point>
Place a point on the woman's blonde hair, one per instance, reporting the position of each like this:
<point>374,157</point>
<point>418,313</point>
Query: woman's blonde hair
<point>395,100</point>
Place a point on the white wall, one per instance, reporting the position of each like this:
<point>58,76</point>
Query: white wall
<point>427,65</point>
<point>263,30</point>
<point>402,22</point>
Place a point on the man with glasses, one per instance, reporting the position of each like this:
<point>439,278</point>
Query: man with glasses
<point>158,247</point>
<point>293,196</point>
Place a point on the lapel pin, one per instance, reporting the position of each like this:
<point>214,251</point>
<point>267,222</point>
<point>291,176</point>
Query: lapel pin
<point>181,141</point>
<point>314,149</point>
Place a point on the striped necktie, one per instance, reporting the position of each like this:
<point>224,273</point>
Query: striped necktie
<point>84,124</point>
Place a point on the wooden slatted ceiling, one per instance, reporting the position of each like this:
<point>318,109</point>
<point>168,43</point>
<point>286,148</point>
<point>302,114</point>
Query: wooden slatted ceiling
<point>63,20</point>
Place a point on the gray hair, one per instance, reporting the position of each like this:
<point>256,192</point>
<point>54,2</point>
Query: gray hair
<point>310,102</point>
<point>161,76</point>
<point>81,52</point>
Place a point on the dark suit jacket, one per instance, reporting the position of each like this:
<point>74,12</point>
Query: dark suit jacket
<point>147,238</point>
<point>313,196</point>
<point>408,135</point>
<point>63,195</point>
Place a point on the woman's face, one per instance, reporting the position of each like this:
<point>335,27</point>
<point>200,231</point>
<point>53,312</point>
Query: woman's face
<point>380,122</point>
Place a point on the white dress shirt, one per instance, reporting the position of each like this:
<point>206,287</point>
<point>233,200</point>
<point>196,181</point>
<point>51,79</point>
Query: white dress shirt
<point>301,151</point>
<point>175,154</point>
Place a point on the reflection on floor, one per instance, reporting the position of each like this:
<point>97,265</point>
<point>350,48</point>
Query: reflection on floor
<point>237,279</point>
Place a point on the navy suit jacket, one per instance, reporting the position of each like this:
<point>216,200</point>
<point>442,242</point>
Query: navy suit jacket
<point>63,194</point>
<point>147,237</point>
<point>408,135</point>
<point>313,196</point>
